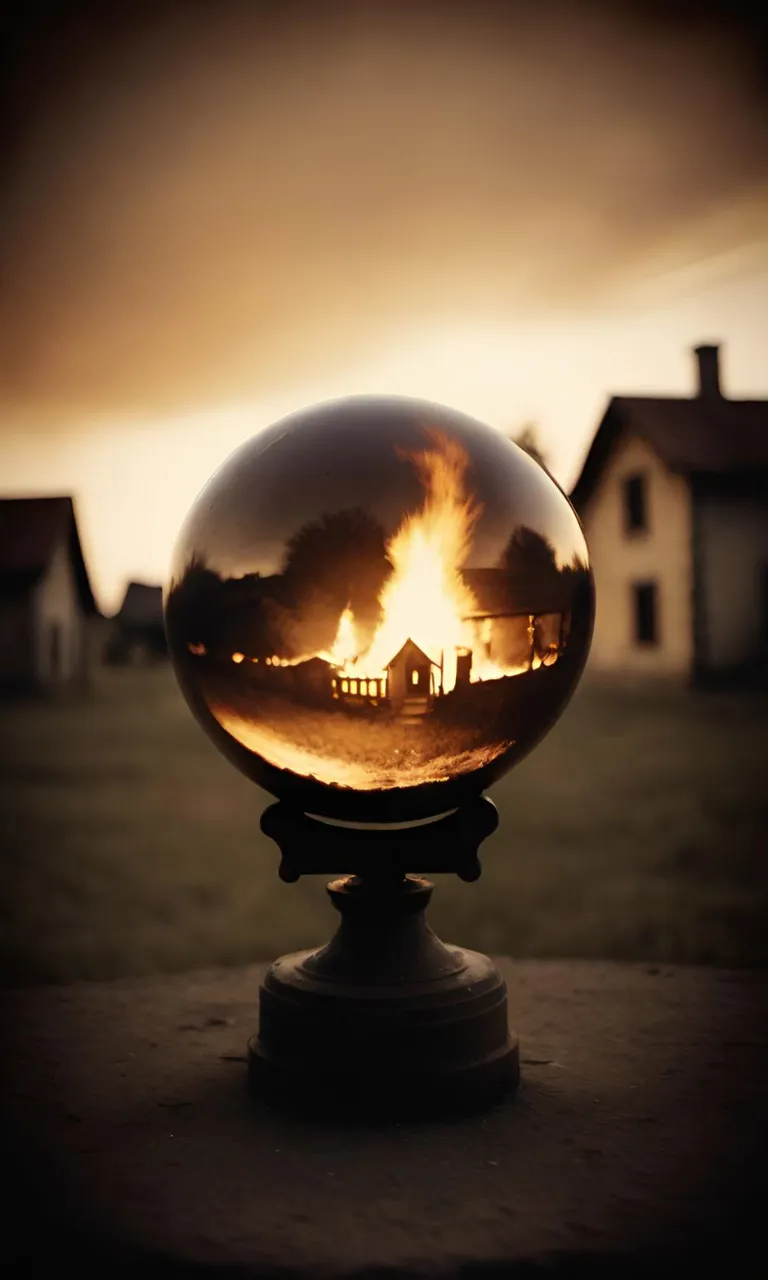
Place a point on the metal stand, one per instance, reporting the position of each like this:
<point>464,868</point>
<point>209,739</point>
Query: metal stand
<point>385,1019</point>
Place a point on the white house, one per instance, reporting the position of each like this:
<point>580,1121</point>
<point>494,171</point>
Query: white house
<point>46,603</point>
<point>673,496</point>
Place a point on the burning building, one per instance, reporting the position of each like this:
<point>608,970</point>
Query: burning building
<point>381,652</point>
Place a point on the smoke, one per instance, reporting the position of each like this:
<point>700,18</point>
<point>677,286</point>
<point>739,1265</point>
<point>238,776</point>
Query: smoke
<point>207,201</point>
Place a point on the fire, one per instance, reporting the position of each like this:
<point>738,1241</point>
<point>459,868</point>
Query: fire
<point>426,599</point>
<point>345,646</point>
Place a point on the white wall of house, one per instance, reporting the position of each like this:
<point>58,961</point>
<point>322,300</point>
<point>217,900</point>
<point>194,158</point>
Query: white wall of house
<point>58,614</point>
<point>661,554</point>
<point>733,533</point>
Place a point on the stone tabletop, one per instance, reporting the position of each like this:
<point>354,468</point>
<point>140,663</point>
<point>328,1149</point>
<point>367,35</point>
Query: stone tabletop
<point>637,1137</point>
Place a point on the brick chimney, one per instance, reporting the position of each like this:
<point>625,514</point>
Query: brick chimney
<point>708,358</point>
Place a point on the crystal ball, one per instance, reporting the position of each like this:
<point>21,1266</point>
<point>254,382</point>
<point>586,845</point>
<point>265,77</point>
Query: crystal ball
<point>377,606</point>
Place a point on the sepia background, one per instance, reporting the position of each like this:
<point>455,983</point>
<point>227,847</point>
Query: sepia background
<point>211,216</point>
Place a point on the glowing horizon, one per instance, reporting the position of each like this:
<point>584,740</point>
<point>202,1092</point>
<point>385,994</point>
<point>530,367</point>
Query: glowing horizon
<point>134,480</point>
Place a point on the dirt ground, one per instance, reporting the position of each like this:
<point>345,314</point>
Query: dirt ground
<point>354,747</point>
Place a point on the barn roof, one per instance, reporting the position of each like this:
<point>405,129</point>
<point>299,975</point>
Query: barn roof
<point>705,434</point>
<point>142,605</point>
<point>30,531</point>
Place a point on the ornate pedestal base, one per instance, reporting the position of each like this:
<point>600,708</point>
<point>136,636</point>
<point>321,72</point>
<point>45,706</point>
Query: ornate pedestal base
<point>385,1020</point>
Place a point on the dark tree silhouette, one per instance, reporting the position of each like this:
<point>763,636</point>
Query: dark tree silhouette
<point>529,552</point>
<point>336,561</point>
<point>535,579</point>
<point>577,579</point>
<point>251,618</point>
<point>227,615</point>
<point>194,604</point>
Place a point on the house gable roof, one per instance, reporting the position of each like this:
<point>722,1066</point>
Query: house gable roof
<point>410,650</point>
<point>142,605</point>
<point>706,434</point>
<point>30,531</point>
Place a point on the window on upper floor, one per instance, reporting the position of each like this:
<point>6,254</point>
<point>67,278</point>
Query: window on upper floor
<point>645,599</point>
<point>636,504</point>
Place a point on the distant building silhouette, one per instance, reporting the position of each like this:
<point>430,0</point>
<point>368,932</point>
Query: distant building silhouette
<point>138,634</point>
<point>673,496</point>
<point>48,614</point>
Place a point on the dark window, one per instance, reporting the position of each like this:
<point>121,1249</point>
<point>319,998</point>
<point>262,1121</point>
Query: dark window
<point>763,608</point>
<point>635,504</point>
<point>646,612</point>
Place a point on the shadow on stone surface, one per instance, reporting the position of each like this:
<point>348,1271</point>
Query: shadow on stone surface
<point>40,1211</point>
<point>636,1141</point>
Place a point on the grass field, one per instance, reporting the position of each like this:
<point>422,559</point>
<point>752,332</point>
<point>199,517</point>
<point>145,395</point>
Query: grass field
<point>636,830</point>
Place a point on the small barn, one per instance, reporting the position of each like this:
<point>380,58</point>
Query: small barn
<point>47,608</point>
<point>412,678</point>
<point>138,632</point>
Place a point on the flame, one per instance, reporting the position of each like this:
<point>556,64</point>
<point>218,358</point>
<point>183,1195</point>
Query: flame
<point>345,647</point>
<point>425,599</point>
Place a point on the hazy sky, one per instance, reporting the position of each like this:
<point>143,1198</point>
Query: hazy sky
<point>213,214</point>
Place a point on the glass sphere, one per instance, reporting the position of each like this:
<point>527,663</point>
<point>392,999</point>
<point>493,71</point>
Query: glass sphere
<point>377,606</point>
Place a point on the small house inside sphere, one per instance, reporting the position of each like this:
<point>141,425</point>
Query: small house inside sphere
<point>377,606</point>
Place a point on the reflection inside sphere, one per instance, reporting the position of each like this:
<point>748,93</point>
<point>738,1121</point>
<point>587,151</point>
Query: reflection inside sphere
<point>378,595</point>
